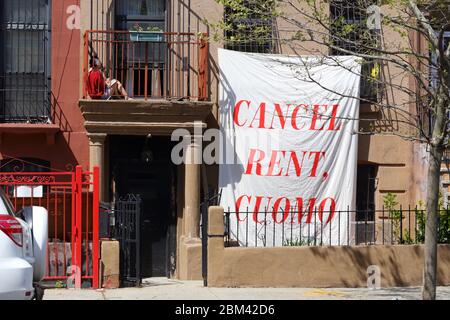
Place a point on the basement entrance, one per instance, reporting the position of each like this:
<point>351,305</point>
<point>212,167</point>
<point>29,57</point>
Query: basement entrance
<point>141,166</point>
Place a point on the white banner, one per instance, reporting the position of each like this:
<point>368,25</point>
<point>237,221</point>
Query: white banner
<point>288,147</point>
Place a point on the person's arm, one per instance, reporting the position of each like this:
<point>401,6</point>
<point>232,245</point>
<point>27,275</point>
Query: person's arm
<point>103,82</point>
<point>88,85</point>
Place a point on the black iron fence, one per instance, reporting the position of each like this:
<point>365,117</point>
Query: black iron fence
<point>318,227</point>
<point>127,213</point>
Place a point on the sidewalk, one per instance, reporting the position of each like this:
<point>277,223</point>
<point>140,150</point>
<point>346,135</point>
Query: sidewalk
<point>166,289</point>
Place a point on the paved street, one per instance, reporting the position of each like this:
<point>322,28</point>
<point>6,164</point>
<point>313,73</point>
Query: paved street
<point>165,289</point>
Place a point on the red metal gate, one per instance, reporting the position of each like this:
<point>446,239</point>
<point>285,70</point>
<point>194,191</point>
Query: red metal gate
<point>72,201</point>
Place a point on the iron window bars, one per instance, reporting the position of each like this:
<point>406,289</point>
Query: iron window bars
<point>349,32</point>
<point>24,69</point>
<point>251,27</point>
<point>428,117</point>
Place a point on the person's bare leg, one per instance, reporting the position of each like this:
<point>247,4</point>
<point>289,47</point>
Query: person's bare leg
<point>114,91</point>
<point>122,90</point>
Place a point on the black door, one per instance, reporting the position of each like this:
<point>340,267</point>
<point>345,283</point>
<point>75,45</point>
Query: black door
<point>365,204</point>
<point>152,182</point>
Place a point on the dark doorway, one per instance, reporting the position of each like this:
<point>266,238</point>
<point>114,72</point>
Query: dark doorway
<point>142,166</point>
<point>365,204</point>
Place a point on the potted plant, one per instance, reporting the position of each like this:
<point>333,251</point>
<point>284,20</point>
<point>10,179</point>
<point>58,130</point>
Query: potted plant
<point>150,33</point>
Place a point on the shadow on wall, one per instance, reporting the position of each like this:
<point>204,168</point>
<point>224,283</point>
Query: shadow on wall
<point>315,267</point>
<point>60,155</point>
<point>58,115</point>
<point>361,260</point>
<point>394,263</point>
<point>228,152</point>
<point>105,17</point>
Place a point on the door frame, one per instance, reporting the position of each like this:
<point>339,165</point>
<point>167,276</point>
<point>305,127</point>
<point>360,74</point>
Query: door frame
<point>171,236</point>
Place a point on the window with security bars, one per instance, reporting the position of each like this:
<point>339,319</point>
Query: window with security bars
<point>427,115</point>
<point>350,34</point>
<point>250,26</point>
<point>24,69</point>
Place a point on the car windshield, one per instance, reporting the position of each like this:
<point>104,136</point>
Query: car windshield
<point>6,206</point>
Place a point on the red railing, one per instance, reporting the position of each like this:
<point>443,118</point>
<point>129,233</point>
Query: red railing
<point>151,65</point>
<point>72,201</point>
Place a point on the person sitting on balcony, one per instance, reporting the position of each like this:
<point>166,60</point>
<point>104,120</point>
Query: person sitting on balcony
<point>115,89</point>
<point>101,87</point>
<point>95,82</point>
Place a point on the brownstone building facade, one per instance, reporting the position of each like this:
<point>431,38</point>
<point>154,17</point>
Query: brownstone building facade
<point>173,80</point>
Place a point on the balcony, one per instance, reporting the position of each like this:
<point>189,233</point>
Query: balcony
<point>165,74</point>
<point>169,66</point>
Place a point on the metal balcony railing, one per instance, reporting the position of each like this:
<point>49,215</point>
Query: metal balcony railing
<point>171,66</point>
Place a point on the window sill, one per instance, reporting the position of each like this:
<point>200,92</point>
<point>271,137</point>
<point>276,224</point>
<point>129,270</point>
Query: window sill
<point>50,130</point>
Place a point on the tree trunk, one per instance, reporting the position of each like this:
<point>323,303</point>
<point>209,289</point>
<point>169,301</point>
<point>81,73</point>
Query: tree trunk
<point>431,228</point>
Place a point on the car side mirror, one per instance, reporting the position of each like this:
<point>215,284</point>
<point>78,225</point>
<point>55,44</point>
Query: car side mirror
<point>26,214</point>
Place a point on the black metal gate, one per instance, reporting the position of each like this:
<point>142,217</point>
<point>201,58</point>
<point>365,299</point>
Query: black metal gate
<point>127,232</point>
<point>210,198</point>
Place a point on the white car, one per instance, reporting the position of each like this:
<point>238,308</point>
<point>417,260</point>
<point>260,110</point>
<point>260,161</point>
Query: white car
<point>23,248</point>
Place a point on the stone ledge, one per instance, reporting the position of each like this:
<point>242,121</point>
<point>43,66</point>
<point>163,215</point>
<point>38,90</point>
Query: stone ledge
<point>137,117</point>
<point>49,130</point>
<point>144,106</point>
